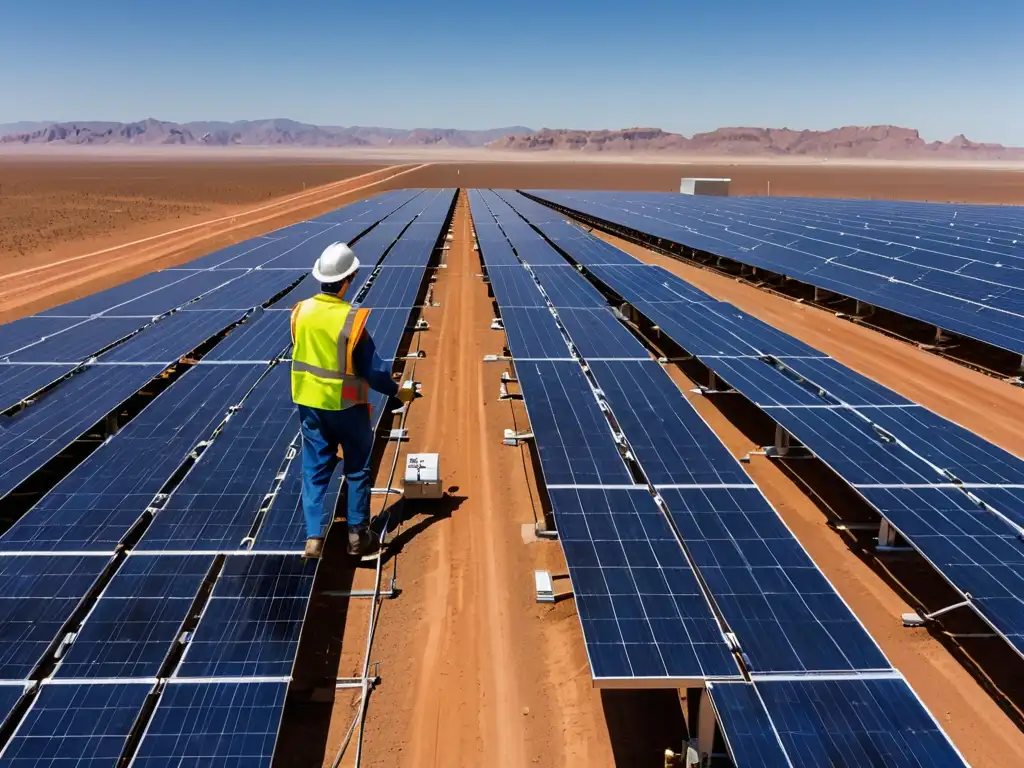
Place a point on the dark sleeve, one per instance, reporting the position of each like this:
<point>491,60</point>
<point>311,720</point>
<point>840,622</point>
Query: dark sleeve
<point>370,367</point>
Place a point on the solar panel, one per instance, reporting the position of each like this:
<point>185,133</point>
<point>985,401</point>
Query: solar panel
<point>534,251</point>
<point>10,695</point>
<point>94,506</point>
<point>172,337</point>
<point>570,431</point>
<point>85,726</point>
<point>37,434</point>
<point>80,342</point>
<point>37,597</point>
<point>786,615</point>
<point>216,504</point>
<point>387,327</point>
<point>643,614</point>
<point>284,527</point>
<point>224,724</point>
<point>749,733</point>
<point>976,551</point>
<point>514,287</point>
<point>671,441</point>
<point>842,383</point>
<point>263,336</point>
<point>170,296</point>
<point>867,722</point>
<point>250,290</point>
<point>533,333</point>
<point>251,624</point>
<point>646,283</point>
<point>412,250</point>
<point>19,382</point>
<point>29,330</point>
<point>962,454</point>
<point>246,254</point>
<point>138,617</point>
<point>305,248</point>
<point>852,448</point>
<point>1009,501</point>
<point>697,330</point>
<point>395,287</point>
<point>764,384</point>
<point>566,287</point>
<point>494,246</point>
<point>597,333</point>
<point>149,290</point>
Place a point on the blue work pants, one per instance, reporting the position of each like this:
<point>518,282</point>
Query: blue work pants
<point>322,433</point>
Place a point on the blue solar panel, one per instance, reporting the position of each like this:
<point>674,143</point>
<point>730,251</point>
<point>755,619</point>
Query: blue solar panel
<point>94,506</point>
<point>150,291</point>
<point>534,333</point>
<point>566,287</point>
<point>81,342</point>
<point>1009,501</point>
<point>697,330</point>
<point>263,336</point>
<point>962,454</point>
<point>514,287</point>
<point>764,384</point>
<point>572,435</point>
<point>85,726</point>
<point>37,434</point>
<point>172,337</point>
<point>387,327</point>
<point>893,268</point>
<point>842,383</point>
<point>671,441</point>
<point>30,330</point>
<point>19,382</point>
<point>216,505</point>
<point>137,619</point>
<point>170,296</point>
<point>786,615</point>
<point>976,551</point>
<point>598,333</point>
<point>250,290</point>
<point>646,283</point>
<point>284,527</point>
<point>37,596</point>
<point>224,724</point>
<point>246,254</point>
<point>305,247</point>
<point>494,246</point>
<point>857,722</point>
<point>533,250</point>
<point>749,734</point>
<point>643,613</point>
<point>394,287</point>
<point>852,448</point>
<point>251,624</point>
<point>9,696</point>
<point>413,249</point>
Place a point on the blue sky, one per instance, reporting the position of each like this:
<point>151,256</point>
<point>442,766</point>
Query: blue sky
<point>940,66</point>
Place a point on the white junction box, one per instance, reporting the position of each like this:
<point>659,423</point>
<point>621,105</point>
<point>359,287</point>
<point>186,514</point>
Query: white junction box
<point>719,187</point>
<point>422,476</point>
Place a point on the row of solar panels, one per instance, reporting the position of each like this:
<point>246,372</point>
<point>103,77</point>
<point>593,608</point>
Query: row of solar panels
<point>225,692</point>
<point>960,268</point>
<point>643,610</point>
<point>955,497</point>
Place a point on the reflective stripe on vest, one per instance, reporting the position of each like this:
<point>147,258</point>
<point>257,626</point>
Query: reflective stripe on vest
<point>325,331</point>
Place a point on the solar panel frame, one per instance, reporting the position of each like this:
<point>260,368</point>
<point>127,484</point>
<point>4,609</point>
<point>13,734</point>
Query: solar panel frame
<point>80,725</point>
<point>669,437</point>
<point>572,436</point>
<point>229,724</point>
<point>645,620</point>
<point>250,626</point>
<point>749,733</point>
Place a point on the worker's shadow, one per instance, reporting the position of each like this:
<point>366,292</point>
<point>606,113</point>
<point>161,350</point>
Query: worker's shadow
<point>406,519</point>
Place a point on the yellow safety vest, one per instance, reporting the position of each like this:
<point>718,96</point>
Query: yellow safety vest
<point>325,331</point>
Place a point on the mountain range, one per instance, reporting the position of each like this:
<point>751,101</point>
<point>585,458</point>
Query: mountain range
<point>876,142</point>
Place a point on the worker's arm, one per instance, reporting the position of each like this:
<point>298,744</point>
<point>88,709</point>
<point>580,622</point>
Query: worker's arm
<point>370,367</point>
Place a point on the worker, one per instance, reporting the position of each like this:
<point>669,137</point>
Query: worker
<point>334,366</point>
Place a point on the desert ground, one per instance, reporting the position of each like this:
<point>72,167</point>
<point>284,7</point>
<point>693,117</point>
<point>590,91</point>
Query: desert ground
<point>472,670</point>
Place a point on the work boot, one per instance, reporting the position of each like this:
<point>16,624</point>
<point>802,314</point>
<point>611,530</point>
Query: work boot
<point>359,542</point>
<point>314,547</point>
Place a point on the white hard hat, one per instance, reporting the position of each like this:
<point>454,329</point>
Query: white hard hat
<point>335,264</point>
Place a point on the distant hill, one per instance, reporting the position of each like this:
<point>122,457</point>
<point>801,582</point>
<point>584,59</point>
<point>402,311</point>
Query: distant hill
<point>878,141</point>
<point>276,132</point>
<point>24,126</point>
